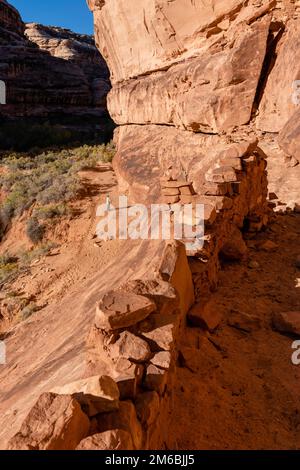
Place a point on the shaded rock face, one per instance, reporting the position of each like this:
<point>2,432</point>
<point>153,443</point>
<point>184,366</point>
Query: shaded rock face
<point>80,50</point>
<point>193,75</point>
<point>278,102</point>
<point>10,18</point>
<point>49,71</point>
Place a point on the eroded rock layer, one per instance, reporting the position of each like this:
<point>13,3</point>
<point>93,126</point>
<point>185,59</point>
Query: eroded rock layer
<point>214,67</point>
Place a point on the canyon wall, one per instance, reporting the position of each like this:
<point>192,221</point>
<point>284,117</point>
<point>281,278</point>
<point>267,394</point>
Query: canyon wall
<point>49,72</point>
<point>194,75</point>
<point>193,94</point>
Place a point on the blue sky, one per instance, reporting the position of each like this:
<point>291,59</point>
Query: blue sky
<point>72,14</point>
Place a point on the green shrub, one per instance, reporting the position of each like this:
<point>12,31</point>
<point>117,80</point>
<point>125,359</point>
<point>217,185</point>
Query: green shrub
<point>11,265</point>
<point>50,212</point>
<point>8,266</point>
<point>46,178</point>
<point>32,135</point>
<point>34,230</point>
<point>26,257</point>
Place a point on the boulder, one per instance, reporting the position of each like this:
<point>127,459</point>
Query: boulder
<point>162,359</point>
<point>174,268</point>
<point>243,321</point>
<point>119,309</point>
<point>56,422</point>
<point>127,376</point>
<point>130,347</point>
<point>160,330</point>
<point>98,394</point>
<point>147,407</point>
<point>268,245</point>
<point>205,314</point>
<point>235,248</point>
<point>287,322</point>
<point>126,419</point>
<point>155,379</point>
<point>115,439</point>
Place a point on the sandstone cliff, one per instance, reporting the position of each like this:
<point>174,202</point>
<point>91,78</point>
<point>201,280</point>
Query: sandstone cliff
<point>184,70</point>
<point>193,94</point>
<point>49,72</point>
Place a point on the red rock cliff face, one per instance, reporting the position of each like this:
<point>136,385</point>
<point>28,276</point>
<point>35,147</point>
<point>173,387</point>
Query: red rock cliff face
<point>10,18</point>
<point>49,71</point>
<point>202,73</point>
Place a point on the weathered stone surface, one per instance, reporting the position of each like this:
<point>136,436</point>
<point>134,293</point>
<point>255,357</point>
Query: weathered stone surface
<point>144,153</point>
<point>170,192</point>
<point>117,439</point>
<point>268,245</point>
<point>96,394</point>
<point>156,42</point>
<point>184,96</point>
<point>170,199</point>
<point>147,407</point>
<point>158,36</point>
<point>126,419</point>
<point>54,423</point>
<point>223,174</point>
<point>176,184</point>
<point>186,66</point>
<point>162,359</point>
<point>128,377</point>
<point>278,104</point>
<point>243,321</point>
<point>131,347</point>
<point>121,309</point>
<point>235,248</point>
<point>161,330</point>
<point>287,322</point>
<point>175,269</point>
<point>189,359</point>
<point>10,18</point>
<point>289,137</point>
<point>161,292</point>
<point>205,314</point>
<point>156,379</point>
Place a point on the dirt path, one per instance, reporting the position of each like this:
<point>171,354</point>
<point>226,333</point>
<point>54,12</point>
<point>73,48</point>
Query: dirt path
<point>76,257</point>
<point>239,389</point>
